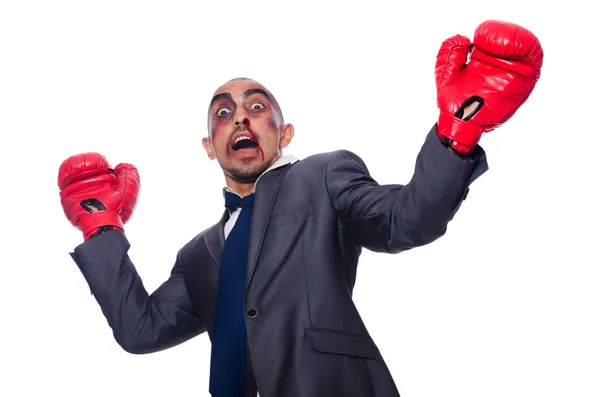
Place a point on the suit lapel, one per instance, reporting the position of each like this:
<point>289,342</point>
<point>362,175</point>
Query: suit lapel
<point>215,238</point>
<point>266,192</point>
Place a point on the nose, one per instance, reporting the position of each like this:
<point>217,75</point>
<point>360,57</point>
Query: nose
<point>240,117</point>
<point>242,120</point>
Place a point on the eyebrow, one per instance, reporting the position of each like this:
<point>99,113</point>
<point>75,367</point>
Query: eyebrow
<point>224,95</point>
<point>247,93</point>
<point>253,91</point>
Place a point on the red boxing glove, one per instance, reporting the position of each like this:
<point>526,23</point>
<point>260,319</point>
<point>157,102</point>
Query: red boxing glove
<point>505,65</point>
<point>94,196</point>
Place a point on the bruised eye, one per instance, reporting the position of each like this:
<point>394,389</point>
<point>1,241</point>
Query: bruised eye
<point>222,111</point>
<point>257,106</point>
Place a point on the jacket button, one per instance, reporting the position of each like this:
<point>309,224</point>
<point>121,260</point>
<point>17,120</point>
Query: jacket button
<point>252,313</point>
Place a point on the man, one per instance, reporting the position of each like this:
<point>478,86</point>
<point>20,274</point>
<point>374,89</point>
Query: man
<point>271,282</point>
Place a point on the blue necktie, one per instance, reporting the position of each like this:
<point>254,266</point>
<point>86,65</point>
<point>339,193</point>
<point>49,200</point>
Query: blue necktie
<point>228,355</point>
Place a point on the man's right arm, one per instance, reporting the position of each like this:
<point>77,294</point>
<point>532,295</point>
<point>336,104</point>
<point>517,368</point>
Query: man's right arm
<point>141,322</point>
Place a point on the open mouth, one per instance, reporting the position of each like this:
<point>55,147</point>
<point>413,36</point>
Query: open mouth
<point>247,144</point>
<point>244,142</point>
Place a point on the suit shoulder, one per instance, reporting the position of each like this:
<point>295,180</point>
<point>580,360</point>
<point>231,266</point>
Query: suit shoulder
<point>341,158</point>
<point>322,159</point>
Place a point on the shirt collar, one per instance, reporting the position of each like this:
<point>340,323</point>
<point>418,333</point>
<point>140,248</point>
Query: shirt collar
<point>283,160</point>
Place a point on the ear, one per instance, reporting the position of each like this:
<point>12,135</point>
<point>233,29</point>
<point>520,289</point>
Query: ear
<point>287,133</point>
<point>206,142</point>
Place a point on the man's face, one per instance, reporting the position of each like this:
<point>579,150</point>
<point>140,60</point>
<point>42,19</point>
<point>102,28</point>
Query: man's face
<point>246,133</point>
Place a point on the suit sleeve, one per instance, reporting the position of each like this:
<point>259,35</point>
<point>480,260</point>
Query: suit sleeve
<point>141,322</point>
<point>394,218</point>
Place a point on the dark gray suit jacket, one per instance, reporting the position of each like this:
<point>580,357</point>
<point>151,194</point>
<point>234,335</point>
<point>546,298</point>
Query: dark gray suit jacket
<point>310,222</point>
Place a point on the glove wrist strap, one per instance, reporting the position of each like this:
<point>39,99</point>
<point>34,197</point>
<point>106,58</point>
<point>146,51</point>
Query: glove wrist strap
<point>462,135</point>
<point>91,223</point>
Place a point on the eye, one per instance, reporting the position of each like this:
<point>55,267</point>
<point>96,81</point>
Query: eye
<point>222,111</point>
<point>257,106</point>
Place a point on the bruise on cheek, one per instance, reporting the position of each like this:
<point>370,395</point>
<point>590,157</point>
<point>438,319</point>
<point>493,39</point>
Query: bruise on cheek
<point>219,123</point>
<point>215,130</point>
<point>247,124</point>
<point>272,123</point>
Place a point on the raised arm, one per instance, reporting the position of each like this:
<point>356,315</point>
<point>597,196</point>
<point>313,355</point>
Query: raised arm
<point>98,200</point>
<point>480,85</point>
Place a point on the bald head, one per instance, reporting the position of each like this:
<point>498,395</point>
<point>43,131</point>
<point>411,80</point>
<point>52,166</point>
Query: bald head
<point>224,91</point>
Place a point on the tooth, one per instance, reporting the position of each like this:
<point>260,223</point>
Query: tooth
<point>241,138</point>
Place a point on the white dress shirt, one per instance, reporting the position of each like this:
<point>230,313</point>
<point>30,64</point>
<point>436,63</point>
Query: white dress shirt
<point>233,215</point>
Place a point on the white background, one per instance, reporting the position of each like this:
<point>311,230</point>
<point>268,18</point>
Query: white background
<point>506,304</point>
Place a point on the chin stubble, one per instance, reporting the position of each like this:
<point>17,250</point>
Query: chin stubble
<point>247,175</point>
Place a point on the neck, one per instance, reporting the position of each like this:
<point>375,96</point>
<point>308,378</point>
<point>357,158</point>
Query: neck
<point>243,189</point>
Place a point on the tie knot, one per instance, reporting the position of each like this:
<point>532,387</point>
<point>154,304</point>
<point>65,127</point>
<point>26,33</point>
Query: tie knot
<point>232,200</point>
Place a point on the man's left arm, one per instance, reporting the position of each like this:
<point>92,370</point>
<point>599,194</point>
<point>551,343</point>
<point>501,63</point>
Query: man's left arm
<point>394,218</point>
<point>480,86</point>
